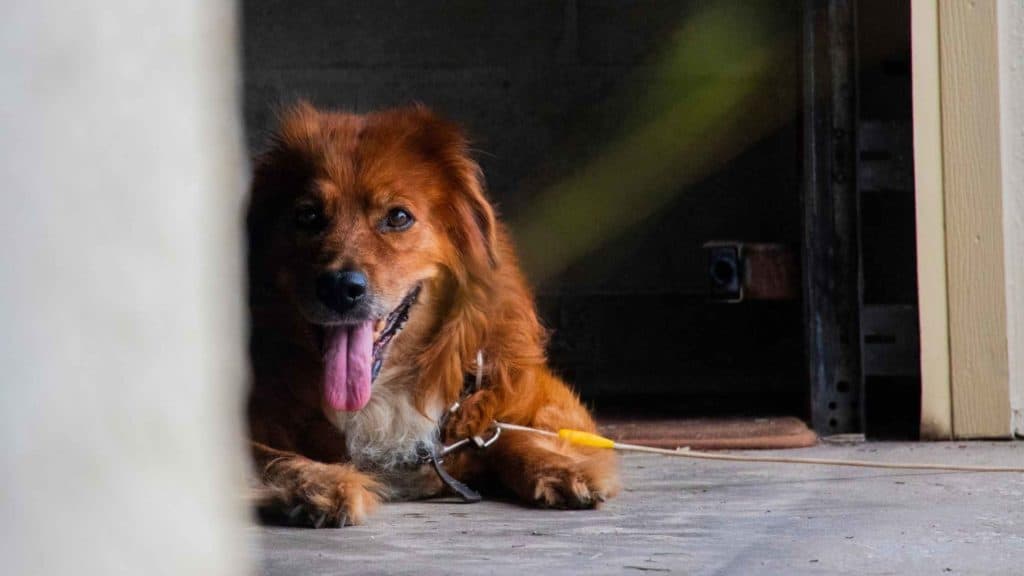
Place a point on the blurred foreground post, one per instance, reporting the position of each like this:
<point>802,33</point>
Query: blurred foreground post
<point>120,291</point>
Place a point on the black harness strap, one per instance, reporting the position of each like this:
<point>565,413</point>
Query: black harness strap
<point>467,494</point>
<point>434,455</point>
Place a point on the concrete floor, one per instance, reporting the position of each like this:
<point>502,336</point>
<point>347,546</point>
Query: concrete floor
<point>698,517</point>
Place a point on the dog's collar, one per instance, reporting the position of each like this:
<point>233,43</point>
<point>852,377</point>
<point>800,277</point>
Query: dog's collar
<point>471,384</point>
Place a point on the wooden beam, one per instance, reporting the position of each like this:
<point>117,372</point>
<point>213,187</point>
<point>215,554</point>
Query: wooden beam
<point>972,182</point>
<point>936,401</point>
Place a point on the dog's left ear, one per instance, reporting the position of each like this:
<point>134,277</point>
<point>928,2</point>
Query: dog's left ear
<point>473,226</point>
<point>475,216</point>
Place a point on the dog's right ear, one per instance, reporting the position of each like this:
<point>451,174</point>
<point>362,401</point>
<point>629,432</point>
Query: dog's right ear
<point>261,213</point>
<point>287,156</point>
<point>280,167</point>
<point>299,126</point>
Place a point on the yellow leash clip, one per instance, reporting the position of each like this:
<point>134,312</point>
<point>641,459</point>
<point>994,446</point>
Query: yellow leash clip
<point>581,438</point>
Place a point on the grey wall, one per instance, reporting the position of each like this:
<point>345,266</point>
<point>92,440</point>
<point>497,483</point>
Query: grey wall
<point>518,74</point>
<point>542,87</point>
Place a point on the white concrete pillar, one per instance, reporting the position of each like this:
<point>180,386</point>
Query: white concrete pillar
<point>1011,89</point>
<point>121,352</point>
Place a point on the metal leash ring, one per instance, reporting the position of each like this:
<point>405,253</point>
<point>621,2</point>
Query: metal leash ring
<point>479,441</point>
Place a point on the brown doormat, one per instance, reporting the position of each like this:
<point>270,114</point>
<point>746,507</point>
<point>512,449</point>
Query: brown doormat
<point>711,433</point>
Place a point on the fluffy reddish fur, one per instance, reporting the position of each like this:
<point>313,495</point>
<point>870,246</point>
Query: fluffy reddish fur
<point>474,298</point>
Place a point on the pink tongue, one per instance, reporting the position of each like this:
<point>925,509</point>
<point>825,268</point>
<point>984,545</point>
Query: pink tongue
<point>348,360</point>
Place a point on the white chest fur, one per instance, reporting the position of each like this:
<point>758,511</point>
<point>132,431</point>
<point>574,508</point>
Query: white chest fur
<point>386,437</point>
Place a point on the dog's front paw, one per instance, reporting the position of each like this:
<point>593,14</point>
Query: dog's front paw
<point>571,485</point>
<point>320,495</point>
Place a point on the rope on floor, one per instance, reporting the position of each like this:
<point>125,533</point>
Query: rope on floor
<point>593,440</point>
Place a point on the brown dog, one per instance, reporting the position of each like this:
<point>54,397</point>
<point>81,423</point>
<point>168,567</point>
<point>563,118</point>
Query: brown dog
<point>377,274</point>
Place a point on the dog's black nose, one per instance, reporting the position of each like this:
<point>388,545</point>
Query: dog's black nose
<point>341,291</point>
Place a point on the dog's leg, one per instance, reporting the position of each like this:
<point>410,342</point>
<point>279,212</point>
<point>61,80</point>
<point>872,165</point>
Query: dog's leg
<point>540,470</point>
<point>300,491</point>
<point>550,473</point>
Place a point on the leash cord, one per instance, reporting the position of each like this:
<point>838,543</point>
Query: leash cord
<point>581,438</point>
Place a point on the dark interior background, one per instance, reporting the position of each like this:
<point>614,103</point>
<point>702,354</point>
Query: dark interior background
<point>888,250</point>
<point>541,87</point>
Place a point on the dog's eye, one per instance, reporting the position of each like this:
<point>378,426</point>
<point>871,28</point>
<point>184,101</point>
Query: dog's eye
<point>397,220</point>
<point>309,217</point>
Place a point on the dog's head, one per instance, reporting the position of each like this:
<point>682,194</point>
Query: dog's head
<point>350,215</point>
